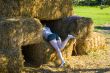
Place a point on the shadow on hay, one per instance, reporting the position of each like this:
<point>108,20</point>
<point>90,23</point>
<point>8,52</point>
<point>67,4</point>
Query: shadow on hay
<point>31,57</point>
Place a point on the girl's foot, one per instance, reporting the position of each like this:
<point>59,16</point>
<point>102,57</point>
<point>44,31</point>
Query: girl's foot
<point>70,36</point>
<point>62,64</point>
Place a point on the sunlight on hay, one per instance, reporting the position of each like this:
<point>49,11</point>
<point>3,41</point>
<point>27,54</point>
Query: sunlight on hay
<point>41,9</point>
<point>93,42</point>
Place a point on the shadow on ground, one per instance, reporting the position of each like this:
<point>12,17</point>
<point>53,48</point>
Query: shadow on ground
<point>100,70</point>
<point>102,27</point>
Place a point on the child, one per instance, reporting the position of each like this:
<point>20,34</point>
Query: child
<point>56,42</point>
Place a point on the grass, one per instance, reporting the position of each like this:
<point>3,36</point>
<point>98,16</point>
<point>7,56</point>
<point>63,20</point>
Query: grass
<point>99,16</point>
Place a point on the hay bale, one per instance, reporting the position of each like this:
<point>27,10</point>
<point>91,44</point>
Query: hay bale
<point>41,9</point>
<point>95,41</point>
<point>14,33</point>
<point>11,61</point>
<point>3,62</point>
<point>9,8</point>
<point>19,31</point>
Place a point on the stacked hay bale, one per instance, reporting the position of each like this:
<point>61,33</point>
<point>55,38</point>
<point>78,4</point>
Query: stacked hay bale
<point>41,9</point>
<point>3,62</point>
<point>93,42</point>
<point>21,38</point>
<point>15,32</point>
<point>9,8</point>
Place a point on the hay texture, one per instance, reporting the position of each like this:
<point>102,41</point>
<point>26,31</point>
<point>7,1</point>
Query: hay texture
<point>41,9</point>
<point>14,33</point>
<point>21,41</point>
<point>91,43</point>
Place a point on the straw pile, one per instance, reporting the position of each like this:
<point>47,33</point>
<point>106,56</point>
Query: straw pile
<point>41,9</point>
<point>14,33</point>
<point>93,42</point>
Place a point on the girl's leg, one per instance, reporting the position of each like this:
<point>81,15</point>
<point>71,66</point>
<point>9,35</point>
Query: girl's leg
<point>63,44</point>
<point>59,42</point>
<point>55,45</point>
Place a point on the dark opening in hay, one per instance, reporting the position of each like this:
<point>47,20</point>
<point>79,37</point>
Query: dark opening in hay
<point>29,55</point>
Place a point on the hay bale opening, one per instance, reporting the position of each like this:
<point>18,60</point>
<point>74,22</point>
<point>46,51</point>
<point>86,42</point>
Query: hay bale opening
<point>28,52</point>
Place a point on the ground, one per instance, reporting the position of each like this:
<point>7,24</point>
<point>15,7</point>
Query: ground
<point>94,62</point>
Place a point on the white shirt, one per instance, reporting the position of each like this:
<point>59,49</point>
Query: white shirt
<point>46,32</point>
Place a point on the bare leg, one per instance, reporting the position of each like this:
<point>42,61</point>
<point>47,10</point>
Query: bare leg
<point>63,44</point>
<point>55,45</point>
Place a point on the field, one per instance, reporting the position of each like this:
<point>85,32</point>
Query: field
<point>99,16</point>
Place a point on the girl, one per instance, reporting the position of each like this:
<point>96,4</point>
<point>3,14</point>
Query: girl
<point>56,42</point>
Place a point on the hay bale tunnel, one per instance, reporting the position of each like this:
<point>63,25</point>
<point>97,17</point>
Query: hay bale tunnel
<point>78,26</point>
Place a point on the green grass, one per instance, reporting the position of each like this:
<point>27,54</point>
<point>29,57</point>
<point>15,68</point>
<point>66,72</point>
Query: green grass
<point>99,16</point>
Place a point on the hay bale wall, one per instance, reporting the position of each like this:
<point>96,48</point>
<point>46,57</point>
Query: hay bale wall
<point>19,31</point>
<point>41,9</point>
<point>14,33</point>
<point>93,42</point>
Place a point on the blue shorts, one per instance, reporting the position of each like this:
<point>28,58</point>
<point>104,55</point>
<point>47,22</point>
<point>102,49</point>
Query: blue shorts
<point>52,36</point>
